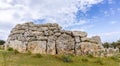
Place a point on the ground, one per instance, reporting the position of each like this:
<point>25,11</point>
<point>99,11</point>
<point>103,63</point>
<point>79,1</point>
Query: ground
<point>10,58</point>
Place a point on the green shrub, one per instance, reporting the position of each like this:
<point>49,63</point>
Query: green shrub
<point>71,55</point>
<point>29,53</point>
<point>84,60</point>
<point>16,51</point>
<point>37,55</point>
<point>99,61</point>
<point>2,42</point>
<point>90,56</point>
<point>67,58</point>
<point>10,49</point>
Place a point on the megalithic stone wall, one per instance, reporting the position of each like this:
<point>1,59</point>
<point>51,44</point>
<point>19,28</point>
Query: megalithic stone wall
<point>51,39</point>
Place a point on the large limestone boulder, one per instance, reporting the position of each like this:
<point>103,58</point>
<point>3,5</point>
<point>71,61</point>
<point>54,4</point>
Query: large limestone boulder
<point>51,45</point>
<point>77,39</point>
<point>88,48</point>
<point>79,33</point>
<point>65,44</point>
<point>85,39</point>
<point>97,39</point>
<point>18,45</point>
<point>37,47</point>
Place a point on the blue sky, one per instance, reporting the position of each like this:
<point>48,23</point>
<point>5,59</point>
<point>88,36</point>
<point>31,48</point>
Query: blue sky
<point>96,17</point>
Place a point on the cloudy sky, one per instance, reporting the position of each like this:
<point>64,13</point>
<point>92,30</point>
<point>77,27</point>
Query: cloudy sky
<point>96,17</point>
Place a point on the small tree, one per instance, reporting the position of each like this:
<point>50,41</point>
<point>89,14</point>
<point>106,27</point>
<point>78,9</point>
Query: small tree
<point>118,40</point>
<point>2,42</point>
<point>114,44</point>
<point>106,45</point>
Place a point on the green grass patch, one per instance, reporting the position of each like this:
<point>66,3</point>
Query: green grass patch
<point>99,61</point>
<point>84,60</point>
<point>66,58</point>
<point>37,55</point>
<point>8,58</point>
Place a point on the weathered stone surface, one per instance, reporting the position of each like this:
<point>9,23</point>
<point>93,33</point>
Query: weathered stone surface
<point>79,33</point>
<point>42,38</point>
<point>65,44</point>
<point>37,47</point>
<point>18,45</point>
<point>53,28</point>
<point>48,33</point>
<point>51,45</point>
<point>97,39</point>
<point>57,34</point>
<point>77,39</point>
<point>78,49</point>
<point>51,39</point>
<point>33,28</point>
<point>20,37</point>
<point>68,32</point>
<point>43,28</point>
<point>18,32</point>
<point>88,48</point>
<point>85,39</point>
<point>37,33</point>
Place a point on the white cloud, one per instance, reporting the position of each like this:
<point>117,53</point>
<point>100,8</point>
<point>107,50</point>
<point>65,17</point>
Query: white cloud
<point>77,29</point>
<point>3,34</point>
<point>81,22</point>
<point>3,4</point>
<point>87,3</point>
<point>110,12</point>
<point>111,2</point>
<point>60,11</point>
<point>113,22</point>
<point>118,9</point>
<point>109,33</point>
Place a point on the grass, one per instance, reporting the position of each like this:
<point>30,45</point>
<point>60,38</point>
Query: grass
<point>37,55</point>
<point>9,58</point>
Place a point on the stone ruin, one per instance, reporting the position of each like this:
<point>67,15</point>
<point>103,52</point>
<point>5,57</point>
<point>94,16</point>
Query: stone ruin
<point>51,39</point>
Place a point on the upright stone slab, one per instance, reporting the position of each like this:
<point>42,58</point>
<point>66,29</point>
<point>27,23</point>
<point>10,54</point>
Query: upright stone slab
<point>65,44</point>
<point>78,48</point>
<point>77,39</point>
<point>51,45</point>
<point>18,45</point>
<point>37,47</point>
<point>89,48</point>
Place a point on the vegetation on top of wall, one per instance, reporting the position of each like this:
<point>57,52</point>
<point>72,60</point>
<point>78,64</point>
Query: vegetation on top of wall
<point>112,44</point>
